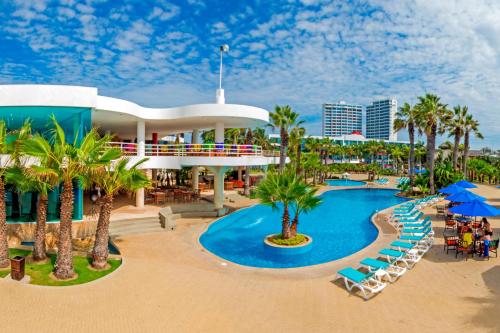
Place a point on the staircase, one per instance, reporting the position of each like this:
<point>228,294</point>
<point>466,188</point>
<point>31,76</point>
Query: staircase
<point>134,226</point>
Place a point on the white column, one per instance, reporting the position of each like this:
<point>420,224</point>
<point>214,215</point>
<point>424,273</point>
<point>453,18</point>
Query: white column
<point>219,97</point>
<point>219,132</point>
<point>141,151</point>
<point>195,170</point>
<point>141,138</point>
<point>219,186</point>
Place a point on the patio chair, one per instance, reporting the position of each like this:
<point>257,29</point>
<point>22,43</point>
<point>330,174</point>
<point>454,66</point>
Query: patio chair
<point>464,248</point>
<point>450,243</point>
<point>440,210</point>
<point>450,224</point>
<point>366,283</point>
<point>493,248</point>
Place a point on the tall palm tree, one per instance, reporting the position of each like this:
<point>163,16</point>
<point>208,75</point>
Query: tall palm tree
<point>471,126</point>
<point>432,117</point>
<point>9,156</point>
<point>281,188</point>
<point>456,129</point>
<point>40,179</point>
<point>285,119</point>
<point>112,178</point>
<point>70,161</point>
<point>260,138</point>
<point>296,137</point>
<point>304,202</point>
<point>249,141</point>
<point>405,118</point>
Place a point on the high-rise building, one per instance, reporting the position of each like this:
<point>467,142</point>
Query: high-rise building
<point>380,117</point>
<point>342,118</point>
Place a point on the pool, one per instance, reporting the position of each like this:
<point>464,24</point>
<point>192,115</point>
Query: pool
<point>340,227</point>
<point>344,182</point>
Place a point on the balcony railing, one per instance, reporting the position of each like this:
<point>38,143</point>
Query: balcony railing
<point>195,149</point>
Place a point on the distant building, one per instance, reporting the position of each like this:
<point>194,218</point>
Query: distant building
<point>380,117</point>
<point>342,118</point>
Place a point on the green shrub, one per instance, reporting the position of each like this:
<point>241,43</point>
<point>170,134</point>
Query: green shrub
<point>278,240</point>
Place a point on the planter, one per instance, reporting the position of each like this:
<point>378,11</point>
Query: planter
<point>287,249</point>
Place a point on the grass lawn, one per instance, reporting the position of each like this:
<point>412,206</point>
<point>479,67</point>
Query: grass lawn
<point>40,273</point>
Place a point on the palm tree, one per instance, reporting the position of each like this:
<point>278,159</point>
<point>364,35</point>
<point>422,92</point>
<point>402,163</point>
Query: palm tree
<point>9,148</point>
<point>40,179</point>
<point>305,202</point>
<point>405,118</point>
<point>70,162</point>
<point>285,119</point>
<point>4,246</point>
<point>296,137</point>
<point>432,117</point>
<point>113,178</point>
<point>260,138</point>
<point>470,126</point>
<point>456,129</point>
<point>249,141</point>
<point>281,188</point>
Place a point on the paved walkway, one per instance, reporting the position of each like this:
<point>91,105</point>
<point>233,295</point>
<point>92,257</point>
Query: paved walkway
<point>170,284</point>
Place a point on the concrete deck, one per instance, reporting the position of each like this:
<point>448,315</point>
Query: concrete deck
<point>168,283</point>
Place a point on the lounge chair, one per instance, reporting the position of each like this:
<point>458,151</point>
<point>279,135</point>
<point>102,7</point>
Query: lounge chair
<point>390,271</point>
<point>366,283</point>
<point>420,250</point>
<point>393,256</point>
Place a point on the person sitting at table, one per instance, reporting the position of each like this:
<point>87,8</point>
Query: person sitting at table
<point>488,230</point>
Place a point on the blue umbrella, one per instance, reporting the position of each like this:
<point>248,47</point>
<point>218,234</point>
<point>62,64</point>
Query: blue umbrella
<point>465,196</point>
<point>475,208</point>
<point>465,184</point>
<point>452,189</point>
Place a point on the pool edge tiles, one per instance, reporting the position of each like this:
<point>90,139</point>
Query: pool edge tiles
<point>238,237</point>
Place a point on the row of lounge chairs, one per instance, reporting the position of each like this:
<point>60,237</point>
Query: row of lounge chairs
<point>402,180</point>
<point>382,181</point>
<point>415,238</point>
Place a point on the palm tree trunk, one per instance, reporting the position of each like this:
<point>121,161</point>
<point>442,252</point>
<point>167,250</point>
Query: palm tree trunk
<point>285,225</point>
<point>283,146</point>
<point>246,189</point>
<point>39,251</point>
<point>431,151</point>
<point>295,223</point>
<point>455,149</point>
<point>100,251</point>
<point>4,244</point>
<point>466,152</point>
<point>64,262</point>
<point>411,134</point>
<point>298,166</point>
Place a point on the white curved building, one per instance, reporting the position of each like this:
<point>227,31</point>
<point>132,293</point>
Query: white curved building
<point>137,130</point>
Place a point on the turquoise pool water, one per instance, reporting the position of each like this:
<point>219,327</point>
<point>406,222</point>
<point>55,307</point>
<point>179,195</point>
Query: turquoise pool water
<point>344,182</point>
<point>339,227</point>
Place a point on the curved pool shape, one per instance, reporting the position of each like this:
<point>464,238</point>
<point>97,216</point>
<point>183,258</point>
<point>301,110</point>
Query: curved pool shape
<point>340,226</point>
<point>344,182</point>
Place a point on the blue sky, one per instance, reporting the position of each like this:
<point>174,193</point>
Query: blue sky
<point>302,53</point>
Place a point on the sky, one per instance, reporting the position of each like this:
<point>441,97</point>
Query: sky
<point>302,53</point>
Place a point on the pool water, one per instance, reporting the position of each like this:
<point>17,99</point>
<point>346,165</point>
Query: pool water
<point>344,182</point>
<point>340,226</point>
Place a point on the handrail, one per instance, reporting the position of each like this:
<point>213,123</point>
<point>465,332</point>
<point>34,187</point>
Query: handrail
<point>193,149</point>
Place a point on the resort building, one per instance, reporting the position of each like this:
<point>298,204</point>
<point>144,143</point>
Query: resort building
<point>137,131</point>
<point>380,117</point>
<point>342,118</point>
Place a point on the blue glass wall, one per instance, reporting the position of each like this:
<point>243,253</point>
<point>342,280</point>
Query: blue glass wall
<point>76,122</point>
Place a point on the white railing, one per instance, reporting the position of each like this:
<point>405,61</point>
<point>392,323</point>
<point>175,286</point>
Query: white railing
<point>195,149</point>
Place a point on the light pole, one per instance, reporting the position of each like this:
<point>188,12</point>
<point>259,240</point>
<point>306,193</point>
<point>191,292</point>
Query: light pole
<point>220,99</point>
<point>223,48</point>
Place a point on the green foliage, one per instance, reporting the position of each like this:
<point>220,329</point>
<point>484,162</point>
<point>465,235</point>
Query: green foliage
<point>292,241</point>
<point>404,187</point>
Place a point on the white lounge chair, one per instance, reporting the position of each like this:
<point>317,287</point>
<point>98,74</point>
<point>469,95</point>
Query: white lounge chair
<point>366,283</point>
